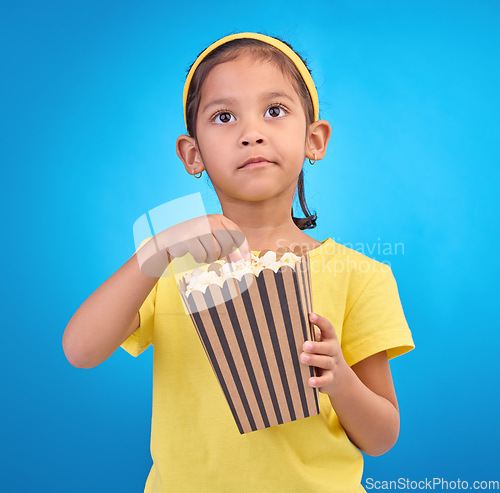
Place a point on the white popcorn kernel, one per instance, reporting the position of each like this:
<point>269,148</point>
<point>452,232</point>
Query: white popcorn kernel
<point>200,279</point>
<point>290,259</point>
<point>268,258</point>
<point>274,266</point>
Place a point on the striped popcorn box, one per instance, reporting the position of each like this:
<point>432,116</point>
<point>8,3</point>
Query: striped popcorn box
<point>252,331</point>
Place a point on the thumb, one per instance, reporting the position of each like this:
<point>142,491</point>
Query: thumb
<point>324,325</point>
<point>317,334</point>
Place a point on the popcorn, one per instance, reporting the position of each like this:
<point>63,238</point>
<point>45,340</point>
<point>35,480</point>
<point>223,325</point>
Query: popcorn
<point>199,279</point>
<point>251,318</point>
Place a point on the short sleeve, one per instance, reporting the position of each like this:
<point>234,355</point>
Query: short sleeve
<point>142,338</point>
<point>375,321</point>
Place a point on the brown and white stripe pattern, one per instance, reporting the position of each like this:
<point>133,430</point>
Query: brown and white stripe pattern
<point>253,331</point>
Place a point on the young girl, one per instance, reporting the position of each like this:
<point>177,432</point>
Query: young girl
<point>252,117</point>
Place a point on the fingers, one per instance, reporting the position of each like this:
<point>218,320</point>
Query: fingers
<point>243,254</point>
<point>227,245</point>
<point>238,238</point>
<point>194,247</point>
<point>320,382</point>
<point>317,360</point>
<point>324,325</point>
<point>211,247</point>
<point>314,347</point>
<point>207,239</point>
<point>220,244</point>
<point>317,334</point>
<point>245,250</point>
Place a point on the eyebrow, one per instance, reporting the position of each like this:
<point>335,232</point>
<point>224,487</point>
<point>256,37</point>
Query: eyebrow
<point>229,101</point>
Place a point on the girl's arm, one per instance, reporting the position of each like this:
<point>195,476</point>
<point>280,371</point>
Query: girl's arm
<point>365,402</point>
<point>363,396</point>
<point>107,317</point>
<point>110,314</point>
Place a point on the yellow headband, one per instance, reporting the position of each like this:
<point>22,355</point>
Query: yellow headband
<point>306,76</point>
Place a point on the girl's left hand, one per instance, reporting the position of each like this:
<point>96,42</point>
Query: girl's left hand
<point>326,355</point>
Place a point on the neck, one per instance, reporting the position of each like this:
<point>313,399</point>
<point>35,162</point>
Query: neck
<point>266,227</point>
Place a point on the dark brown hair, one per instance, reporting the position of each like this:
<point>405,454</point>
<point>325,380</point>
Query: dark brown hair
<point>263,51</point>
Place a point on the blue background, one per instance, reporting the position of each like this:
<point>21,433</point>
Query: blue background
<point>90,110</point>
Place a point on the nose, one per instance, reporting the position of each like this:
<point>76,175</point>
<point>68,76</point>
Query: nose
<point>251,134</point>
<point>250,140</point>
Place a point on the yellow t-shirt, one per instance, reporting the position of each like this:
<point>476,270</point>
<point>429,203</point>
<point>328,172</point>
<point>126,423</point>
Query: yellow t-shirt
<point>195,444</point>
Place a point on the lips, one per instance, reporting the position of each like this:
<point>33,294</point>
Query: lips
<point>257,161</point>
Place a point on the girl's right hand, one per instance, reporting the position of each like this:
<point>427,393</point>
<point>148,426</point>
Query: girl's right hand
<point>206,238</point>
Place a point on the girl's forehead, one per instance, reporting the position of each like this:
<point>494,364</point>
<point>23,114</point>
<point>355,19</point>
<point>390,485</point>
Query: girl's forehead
<point>246,71</point>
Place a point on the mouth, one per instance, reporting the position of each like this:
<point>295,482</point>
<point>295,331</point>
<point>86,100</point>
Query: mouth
<point>255,162</point>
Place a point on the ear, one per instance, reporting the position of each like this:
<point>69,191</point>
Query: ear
<point>189,154</point>
<point>319,133</point>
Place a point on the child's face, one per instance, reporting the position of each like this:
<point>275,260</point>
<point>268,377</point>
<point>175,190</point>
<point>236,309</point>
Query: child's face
<point>249,109</point>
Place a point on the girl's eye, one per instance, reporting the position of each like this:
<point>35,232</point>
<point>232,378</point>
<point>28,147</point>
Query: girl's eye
<point>223,117</point>
<point>275,111</point>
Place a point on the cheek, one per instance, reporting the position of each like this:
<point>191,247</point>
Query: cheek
<point>214,143</point>
<point>203,142</point>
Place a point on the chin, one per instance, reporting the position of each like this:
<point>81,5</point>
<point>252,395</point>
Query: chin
<point>257,194</point>
<point>253,191</point>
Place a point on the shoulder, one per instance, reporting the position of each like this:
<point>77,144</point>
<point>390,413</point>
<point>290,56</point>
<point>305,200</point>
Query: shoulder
<point>349,271</point>
<point>339,259</point>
